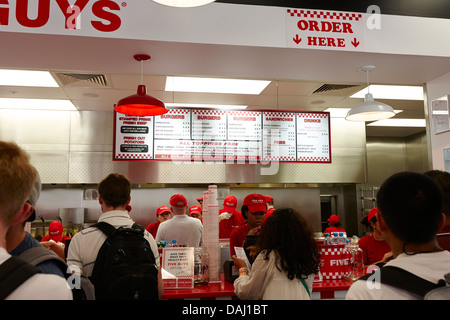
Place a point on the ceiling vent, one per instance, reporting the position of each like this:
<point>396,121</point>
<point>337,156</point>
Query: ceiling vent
<point>82,80</point>
<point>333,89</point>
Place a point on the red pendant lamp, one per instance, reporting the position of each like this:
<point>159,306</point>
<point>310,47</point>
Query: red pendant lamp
<point>141,104</point>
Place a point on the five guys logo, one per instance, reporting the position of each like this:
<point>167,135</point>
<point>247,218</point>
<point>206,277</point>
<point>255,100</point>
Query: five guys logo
<point>71,12</point>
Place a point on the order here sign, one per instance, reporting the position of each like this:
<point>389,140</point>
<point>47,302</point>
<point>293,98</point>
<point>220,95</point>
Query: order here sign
<point>320,29</point>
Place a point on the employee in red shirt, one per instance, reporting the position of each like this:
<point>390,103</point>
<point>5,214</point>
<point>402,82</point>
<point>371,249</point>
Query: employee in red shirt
<point>270,206</point>
<point>257,208</point>
<point>196,212</point>
<point>375,249</point>
<point>334,225</point>
<point>229,217</point>
<point>162,214</point>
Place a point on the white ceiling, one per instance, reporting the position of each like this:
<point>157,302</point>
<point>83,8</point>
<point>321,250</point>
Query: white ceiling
<point>298,73</point>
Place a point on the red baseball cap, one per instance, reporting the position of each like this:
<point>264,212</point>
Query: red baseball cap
<point>372,214</point>
<point>195,209</point>
<point>333,219</point>
<point>178,200</point>
<point>268,198</point>
<point>55,231</point>
<point>229,203</point>
<point>162,209</point>
<point>255,202</point>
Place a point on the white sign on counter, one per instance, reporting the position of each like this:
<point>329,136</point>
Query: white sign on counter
<point>178,268</point>
<point>233,136</point>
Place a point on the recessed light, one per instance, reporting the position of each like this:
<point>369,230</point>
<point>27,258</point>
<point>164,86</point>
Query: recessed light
<point>27,78</point>
<point>392,92</point>
<point>37,104</point>
<point>215,85</point>
<point>212,106</point>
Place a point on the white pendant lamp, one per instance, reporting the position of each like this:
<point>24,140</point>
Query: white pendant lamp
<point>370,110</point>
<point>184,3</point>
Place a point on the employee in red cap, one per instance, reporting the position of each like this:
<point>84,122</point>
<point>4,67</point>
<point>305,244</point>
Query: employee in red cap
<point>162,214</point>
<point>270,206</point>
<point>334,224</point>
<point>256,205</point>
<point>229,217</point>
<point>55,240</point>
<point>181,228</point>
<point>375,249</point>
<point>196,212</point>
<point>55,233</point>
<point>200,201</point>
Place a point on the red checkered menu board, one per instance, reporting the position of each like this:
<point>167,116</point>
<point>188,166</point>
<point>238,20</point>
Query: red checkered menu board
<point>231,136</point>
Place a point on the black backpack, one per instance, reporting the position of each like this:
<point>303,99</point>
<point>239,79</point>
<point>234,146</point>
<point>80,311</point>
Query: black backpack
<point>125,268</point>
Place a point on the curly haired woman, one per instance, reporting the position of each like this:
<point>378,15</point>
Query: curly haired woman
<point>286,264</point>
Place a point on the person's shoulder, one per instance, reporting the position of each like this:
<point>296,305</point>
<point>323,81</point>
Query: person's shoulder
<point>42,287</point>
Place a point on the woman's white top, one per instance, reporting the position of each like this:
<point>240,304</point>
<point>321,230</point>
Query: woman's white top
<point>267,282</point>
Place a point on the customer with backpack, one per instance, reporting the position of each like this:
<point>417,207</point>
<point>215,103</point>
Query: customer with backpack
<point>20,280</point>
<point>410,214</point>
<point>22,244</point>
<point>120,257</point>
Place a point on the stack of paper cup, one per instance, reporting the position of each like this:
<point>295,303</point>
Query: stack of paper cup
<point>211,231</point>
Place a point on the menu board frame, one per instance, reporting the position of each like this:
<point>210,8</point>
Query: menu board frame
<point>231,136</point>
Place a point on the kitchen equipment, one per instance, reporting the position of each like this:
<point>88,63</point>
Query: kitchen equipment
<point>72,220</point>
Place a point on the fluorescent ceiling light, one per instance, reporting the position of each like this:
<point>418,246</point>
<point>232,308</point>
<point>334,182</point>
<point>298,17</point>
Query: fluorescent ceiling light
<point>211,106</point>
<point>342,112</point>
<point>215,85</point>
<point>184,3</point>
<point>392,92</point>
<point>417,123</point>
<point>26,78</point>
<point>37,104</point>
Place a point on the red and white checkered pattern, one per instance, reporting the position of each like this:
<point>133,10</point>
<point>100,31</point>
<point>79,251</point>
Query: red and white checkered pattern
<point>134,156</point>
<point>314,159</point>
<point>178,111</point>
<point>279,114</point>
<point>245,113</point>
<point>332,15</point>
<point>209,112</point>
<point>278,158</point>
<point>331,251</point>
<point>320,115</point>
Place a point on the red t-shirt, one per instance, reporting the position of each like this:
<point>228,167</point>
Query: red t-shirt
<point>48,238</point>
<point>153,228</point>
<point>334,229</point>
<point>226,226</point>
<point>268,213</point>
<point>373,250</point>
<point>237,238</point>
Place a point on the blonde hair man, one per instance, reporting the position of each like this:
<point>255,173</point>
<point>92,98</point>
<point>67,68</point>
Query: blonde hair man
<point>16,182</point>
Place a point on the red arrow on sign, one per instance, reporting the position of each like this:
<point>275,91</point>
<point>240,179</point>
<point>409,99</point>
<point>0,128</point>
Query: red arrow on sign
<point>355,42</point>
<point>297,40</point>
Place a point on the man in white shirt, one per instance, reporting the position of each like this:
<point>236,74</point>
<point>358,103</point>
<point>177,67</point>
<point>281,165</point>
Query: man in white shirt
<point>185,230</point>
<point>410,214</point>
<point>114,196</point>
<point>17,177</point>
